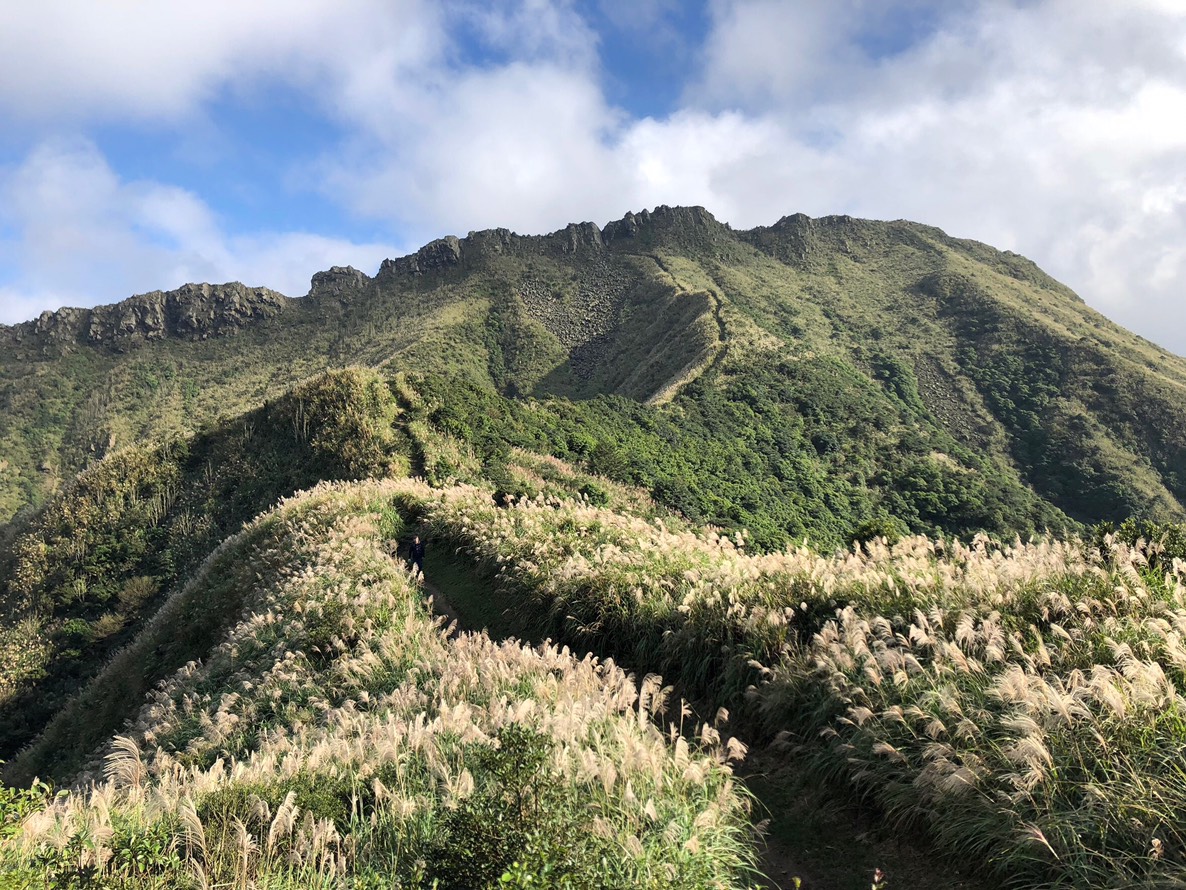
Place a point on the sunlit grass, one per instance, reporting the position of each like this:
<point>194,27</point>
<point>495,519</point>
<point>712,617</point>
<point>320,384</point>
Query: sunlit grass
<point>1020,702</point>
<point>336,734</point>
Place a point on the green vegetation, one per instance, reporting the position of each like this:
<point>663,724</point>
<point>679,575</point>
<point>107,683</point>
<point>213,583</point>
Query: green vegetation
<point>335,737</point>
<point>797,449</point>
<point>805,379</point>
<point>900,503</point>
<point>92,566</point>
<point>967,691</point>
<point>1018,703</point>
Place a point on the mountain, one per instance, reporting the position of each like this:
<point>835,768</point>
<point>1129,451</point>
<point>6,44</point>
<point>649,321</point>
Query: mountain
<point>798,379</point>
<point>827,380</point>
<point>658,441</point>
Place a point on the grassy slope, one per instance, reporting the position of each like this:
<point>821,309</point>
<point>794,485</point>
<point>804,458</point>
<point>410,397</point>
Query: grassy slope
<point>885,339</point>
<point>96,562</point>
<point>924,657</point>
<point>1021,704</point>
<point>332,736</point>
<point>1059,384</point>
<point>813,833</point>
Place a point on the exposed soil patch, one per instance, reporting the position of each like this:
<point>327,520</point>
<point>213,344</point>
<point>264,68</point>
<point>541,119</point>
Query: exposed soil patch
<point>584,321</point>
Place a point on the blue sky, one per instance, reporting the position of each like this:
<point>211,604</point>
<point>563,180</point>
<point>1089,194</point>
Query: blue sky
<point>146,144</point>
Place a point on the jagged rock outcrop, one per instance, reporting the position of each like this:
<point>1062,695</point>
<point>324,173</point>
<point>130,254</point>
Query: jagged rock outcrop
<point>491,242</point>
<point>681,225</point>
<point>343,283</point>
<point>450,251</point>
<point>578,237</point>
<point>192,312</point>
<point>442,253</point>
<point>799,240</point>
<point>688,224</point>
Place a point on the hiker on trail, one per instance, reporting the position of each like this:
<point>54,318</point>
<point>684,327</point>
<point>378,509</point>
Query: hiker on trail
<point>416,551</point>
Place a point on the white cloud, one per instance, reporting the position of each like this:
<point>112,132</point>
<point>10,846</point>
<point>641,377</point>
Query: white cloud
<point>82,236</point>
<point>140,58</point>
<point>17,306</point>
<point>766,51</point>
<point>1053,128</point>
<point>531,30</point>
<point>522,147</point>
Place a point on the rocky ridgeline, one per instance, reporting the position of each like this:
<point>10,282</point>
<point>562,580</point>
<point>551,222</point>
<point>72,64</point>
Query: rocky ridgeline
<point>342,283</point>
<point>585,321</point>
<point>801,241</point>
<point>202,311</point>
<point>192,312</point>
<point>689,223</point>
<point>445,253</point>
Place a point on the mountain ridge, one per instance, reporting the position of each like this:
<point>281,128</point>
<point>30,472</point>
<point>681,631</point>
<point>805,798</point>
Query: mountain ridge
<point>193,311</point>
<point>959,346</point>
<point>202,309</point>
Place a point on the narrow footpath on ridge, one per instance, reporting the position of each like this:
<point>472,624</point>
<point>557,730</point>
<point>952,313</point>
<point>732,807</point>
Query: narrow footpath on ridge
<point>441,607</point>
<point>812,842</point>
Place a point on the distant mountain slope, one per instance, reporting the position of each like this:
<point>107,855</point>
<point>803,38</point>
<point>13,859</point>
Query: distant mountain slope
<point>815,377</point>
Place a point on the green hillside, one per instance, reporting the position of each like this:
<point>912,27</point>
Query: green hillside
<point>88,569</point>
<point>1015,704</point>
<point>333,735</point>
<point>699,451</point>
<point>813,378</point>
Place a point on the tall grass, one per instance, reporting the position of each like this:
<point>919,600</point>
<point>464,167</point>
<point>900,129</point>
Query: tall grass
<point>336,736</point>
<point>1020,702</point>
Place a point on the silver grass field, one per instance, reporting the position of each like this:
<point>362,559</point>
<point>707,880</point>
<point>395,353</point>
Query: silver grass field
<point>1019,702</point>
<point>1016,702</point>
<point>336,677</point>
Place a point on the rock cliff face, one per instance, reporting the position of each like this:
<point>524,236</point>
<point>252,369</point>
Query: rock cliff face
<point>192,312</point>
<point>343,283</point>
<point>686,224</point>
<point>434,256</point>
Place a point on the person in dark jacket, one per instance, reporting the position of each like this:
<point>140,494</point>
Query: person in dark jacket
<point>416,551</point>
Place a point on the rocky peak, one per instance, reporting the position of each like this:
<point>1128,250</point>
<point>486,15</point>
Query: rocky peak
<point>192,312</point>
<point>489,242</point>
<point>442,253</point>
<point>799,239</point>
<point>682,224</point>
<point>577,237</point>
<point>343,283</point>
